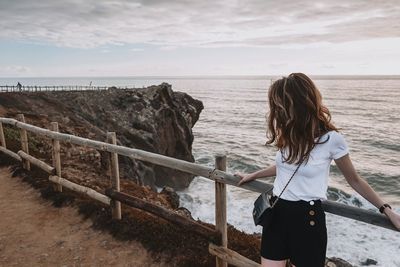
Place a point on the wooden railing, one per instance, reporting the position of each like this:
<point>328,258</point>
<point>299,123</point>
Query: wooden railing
<point>113,197</point>
<point>45,88</point>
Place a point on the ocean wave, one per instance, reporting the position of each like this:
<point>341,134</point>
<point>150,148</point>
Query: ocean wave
<point>338,195</point>
<point>385,145</point>
<point>381,182</point>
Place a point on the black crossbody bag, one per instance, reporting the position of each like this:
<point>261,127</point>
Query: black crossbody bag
<point>263,209</point>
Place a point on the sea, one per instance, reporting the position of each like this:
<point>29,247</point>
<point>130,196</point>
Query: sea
<point>233,123</point>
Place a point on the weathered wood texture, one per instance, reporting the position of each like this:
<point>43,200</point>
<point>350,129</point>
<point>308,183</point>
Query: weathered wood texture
<point>199,170</point>
<point>367,216</point>
<point>138,154</point>
<point>81,189</point>
<point>2,138</point>
<point>10,153</point>
<point>220,208</point>
<point>231,256</point>
<point>114,175</point>
<point>37,162</point>
<point>210,234</point>
<point>24,143</point>
<point>56,155</point>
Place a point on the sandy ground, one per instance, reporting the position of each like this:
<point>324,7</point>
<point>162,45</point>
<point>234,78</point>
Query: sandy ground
<point>34,233</point>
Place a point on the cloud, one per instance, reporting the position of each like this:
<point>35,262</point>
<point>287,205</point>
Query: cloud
<point>94,23</point>
<point>17,69</point>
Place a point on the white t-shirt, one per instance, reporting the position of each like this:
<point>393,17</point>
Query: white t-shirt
<point>311,180</point>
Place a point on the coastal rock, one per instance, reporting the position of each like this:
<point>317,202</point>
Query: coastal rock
<point>336,262</point>
<point>369,262</point>
<point>171,196</point>
<point>154,119</point>
<point>184,212</point>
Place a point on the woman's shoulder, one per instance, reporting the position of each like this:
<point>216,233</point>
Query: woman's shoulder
<point>335,135</point>
<point>331,139</point>
<point>330,136</point>
<point>336,143</point>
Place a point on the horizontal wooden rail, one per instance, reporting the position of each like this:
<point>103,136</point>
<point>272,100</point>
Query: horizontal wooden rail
<point>231,257</point>
<point>10,153</point>
<point>199,170</point>
<point>37,162</point>
<point>81,189</point>
<point>210,234</point>
<point>138,154</point>
<point>363,215</point>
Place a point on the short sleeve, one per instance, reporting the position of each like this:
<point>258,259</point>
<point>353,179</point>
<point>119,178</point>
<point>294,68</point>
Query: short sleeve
<point>338,145</point>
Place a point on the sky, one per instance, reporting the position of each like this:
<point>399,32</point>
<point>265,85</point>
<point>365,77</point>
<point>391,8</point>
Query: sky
<point>50,38</point>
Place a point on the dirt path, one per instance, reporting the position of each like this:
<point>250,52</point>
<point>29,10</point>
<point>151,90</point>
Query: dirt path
<point>34,233</point>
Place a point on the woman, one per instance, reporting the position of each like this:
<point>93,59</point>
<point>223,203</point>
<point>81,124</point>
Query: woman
<point>300,127</point>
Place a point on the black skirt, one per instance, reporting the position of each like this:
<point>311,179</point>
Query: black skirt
<point>297,232</point>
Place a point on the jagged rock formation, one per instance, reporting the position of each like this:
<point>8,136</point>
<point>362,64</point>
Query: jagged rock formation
<point>154,119</point>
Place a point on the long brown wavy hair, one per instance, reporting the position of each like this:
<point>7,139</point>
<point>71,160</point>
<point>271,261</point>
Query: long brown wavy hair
<point>297,116</point>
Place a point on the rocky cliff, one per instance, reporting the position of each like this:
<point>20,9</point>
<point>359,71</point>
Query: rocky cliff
<point>154,119</point>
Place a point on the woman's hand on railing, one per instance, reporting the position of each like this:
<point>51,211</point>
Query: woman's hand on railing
<point>393,217</point>
<point>247,177</point>
<point>244,178</point>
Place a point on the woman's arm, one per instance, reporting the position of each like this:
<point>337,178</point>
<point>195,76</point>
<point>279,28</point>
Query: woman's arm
<point>363,188</point>
<point>268,172</point>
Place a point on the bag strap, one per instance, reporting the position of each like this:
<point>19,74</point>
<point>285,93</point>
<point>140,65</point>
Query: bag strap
<point>297,168</point>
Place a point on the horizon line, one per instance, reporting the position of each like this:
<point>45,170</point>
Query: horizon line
<point>207,76</point>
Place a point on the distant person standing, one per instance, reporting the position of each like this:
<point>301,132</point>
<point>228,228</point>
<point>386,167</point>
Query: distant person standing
<point>19,86</point>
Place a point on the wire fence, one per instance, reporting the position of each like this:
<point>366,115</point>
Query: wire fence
<point>53,88</point>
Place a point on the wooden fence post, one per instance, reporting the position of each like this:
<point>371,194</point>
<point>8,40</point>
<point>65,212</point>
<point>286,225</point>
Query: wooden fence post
<point>24,143</point>
<point>114,175</point>
<point>2,138</point>
<point>56,156</point>
<point>220,208</point>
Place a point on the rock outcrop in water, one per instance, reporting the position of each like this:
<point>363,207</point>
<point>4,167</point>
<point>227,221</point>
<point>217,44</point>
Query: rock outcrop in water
<point>154,119</point>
